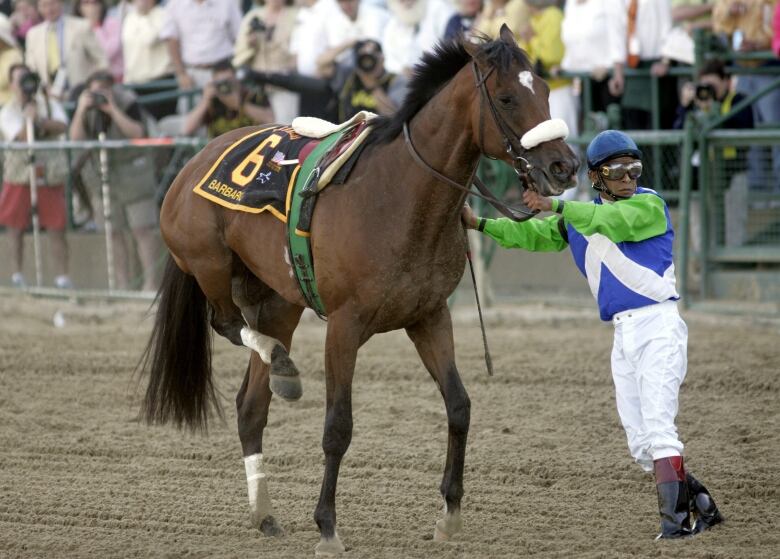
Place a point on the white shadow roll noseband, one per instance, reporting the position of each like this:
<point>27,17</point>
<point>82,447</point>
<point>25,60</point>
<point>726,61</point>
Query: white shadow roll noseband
<point>553,129</point>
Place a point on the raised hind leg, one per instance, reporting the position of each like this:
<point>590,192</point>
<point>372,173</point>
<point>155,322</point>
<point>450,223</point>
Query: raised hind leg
<point>266,312</point>
<point>341,345</point>
<point>268,316</point>
<point>433,339</point>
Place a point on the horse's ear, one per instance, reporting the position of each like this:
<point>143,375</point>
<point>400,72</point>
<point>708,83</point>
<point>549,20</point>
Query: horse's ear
<point>507,36</point>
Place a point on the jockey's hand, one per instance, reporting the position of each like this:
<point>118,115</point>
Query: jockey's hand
<point>468,217</point>
<point>536,201</point>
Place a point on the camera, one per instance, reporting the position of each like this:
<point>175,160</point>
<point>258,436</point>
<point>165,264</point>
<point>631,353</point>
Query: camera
<point>224,87</point>
<point>257,25</point>
<point>367,60</point>
<point>99,99</point>
<point>705,92</point>
<point>29,83</point>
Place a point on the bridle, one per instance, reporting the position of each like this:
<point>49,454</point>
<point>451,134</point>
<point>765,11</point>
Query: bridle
<point>520,164</point>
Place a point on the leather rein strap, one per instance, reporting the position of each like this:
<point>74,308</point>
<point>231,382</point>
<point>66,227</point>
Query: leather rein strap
<point>520,164</point>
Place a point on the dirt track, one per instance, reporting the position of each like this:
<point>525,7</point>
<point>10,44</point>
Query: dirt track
<point>547,471</point>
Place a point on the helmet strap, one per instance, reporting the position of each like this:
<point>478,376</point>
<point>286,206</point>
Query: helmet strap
<point>601,186</point>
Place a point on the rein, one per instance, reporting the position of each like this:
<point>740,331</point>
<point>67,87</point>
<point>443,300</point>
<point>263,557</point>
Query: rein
<point>520,164</point>
<point>515,213</point>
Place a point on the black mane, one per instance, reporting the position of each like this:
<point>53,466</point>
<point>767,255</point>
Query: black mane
<point>434,70</point>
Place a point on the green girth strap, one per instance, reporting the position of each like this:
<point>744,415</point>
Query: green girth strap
<point>300,241</point>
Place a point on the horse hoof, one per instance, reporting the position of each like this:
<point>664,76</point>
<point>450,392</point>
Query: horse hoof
<point>270,527</point>
<point>329,547</point>
<point>285,379</point>
<point>447,527</point>
<point>287,388</point>
<point>440,535</point>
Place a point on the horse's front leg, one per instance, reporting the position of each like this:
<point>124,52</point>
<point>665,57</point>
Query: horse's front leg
<point>341,345</point>
<point>252,403</point>
<point>433,339</point>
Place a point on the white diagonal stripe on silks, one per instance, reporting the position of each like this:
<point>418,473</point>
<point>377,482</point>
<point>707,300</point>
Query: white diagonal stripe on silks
<point>593,270</point>
<point>635,277</point>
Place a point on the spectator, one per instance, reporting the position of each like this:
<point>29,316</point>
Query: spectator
<point>498,12</point>
<point>23,18</point>
<point>146,53</point>
<point>50,122</point>
<point>677,46</point>
<point>226,105</point>
<point>264,45</point>
<point>364,84</point>
<point>329,27</point>
<point>415,26</point>
<point>103,106</point>
<point>713,92</point>
<point>644,25</point>
<point>62,49</point>
<point>748,24</point>
<point>776,25</point>
<point>542,41</point>
<point>10,54</point>
<point>108,31</point>
<point>591,45</point>
<point>461,22</point>
<point>200,33</point>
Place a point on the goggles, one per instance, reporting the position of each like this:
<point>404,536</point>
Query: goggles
<point>617,171</point>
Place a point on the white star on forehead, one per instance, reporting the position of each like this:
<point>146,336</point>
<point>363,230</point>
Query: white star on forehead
<point>526,80</point>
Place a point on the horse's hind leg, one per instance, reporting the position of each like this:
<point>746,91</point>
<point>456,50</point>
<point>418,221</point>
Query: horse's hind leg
<point>268,316</point>
<point>433,339</point>
<point>268,312</point>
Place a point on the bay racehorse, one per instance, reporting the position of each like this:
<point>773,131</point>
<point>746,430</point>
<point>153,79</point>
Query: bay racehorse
<point>388,248</point>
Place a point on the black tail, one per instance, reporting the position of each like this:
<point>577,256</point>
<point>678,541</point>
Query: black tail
<point>178,356</point>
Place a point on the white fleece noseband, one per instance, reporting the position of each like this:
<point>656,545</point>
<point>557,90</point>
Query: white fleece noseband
<point>553,129</point>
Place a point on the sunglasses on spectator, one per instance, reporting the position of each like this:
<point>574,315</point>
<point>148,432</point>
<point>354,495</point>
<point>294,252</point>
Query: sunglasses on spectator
<point>617,171</point>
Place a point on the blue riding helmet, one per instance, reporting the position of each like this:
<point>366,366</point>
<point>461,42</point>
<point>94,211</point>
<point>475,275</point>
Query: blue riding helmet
<point>610,144</point>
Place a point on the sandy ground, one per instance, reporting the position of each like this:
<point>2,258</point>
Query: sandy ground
<point>547,471</point>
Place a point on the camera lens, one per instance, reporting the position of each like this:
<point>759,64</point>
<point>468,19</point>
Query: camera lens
<point>224,87</point>
<point>367,61</point>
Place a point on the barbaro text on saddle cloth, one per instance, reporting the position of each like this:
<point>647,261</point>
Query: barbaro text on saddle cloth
<point>257,172</point>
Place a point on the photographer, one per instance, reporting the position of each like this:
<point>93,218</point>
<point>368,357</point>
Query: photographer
<point>226,105</point>
<point>105,107</point>
<point>711,96</point>
<point>364,84</point>
<point>27,103</point>
<point>263,45</point>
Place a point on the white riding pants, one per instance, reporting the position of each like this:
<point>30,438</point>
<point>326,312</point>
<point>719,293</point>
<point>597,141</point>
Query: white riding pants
<point>649,361</point>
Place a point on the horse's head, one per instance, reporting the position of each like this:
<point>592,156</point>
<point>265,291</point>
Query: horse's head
<point>511,116</point>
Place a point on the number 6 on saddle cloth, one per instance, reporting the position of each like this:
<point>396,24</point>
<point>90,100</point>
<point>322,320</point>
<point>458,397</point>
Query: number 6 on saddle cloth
<point>280,170</point>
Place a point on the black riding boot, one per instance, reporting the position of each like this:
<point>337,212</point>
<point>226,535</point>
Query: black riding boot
<point>703,506</point>
<point>673,500</point>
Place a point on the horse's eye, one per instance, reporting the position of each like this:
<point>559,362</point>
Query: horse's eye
<point>506,101</point>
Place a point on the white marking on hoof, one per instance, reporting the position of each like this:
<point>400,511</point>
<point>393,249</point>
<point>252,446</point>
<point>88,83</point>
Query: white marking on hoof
<point>257,489</point>
<point>448,526</point>
<point>329,547</point>
<point>261,343</point>
<point>526,79</point>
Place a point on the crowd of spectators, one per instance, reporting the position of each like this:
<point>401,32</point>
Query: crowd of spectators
<point>333,58</point>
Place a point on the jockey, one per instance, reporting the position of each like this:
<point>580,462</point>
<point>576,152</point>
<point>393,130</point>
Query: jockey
<point>622,244</point>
